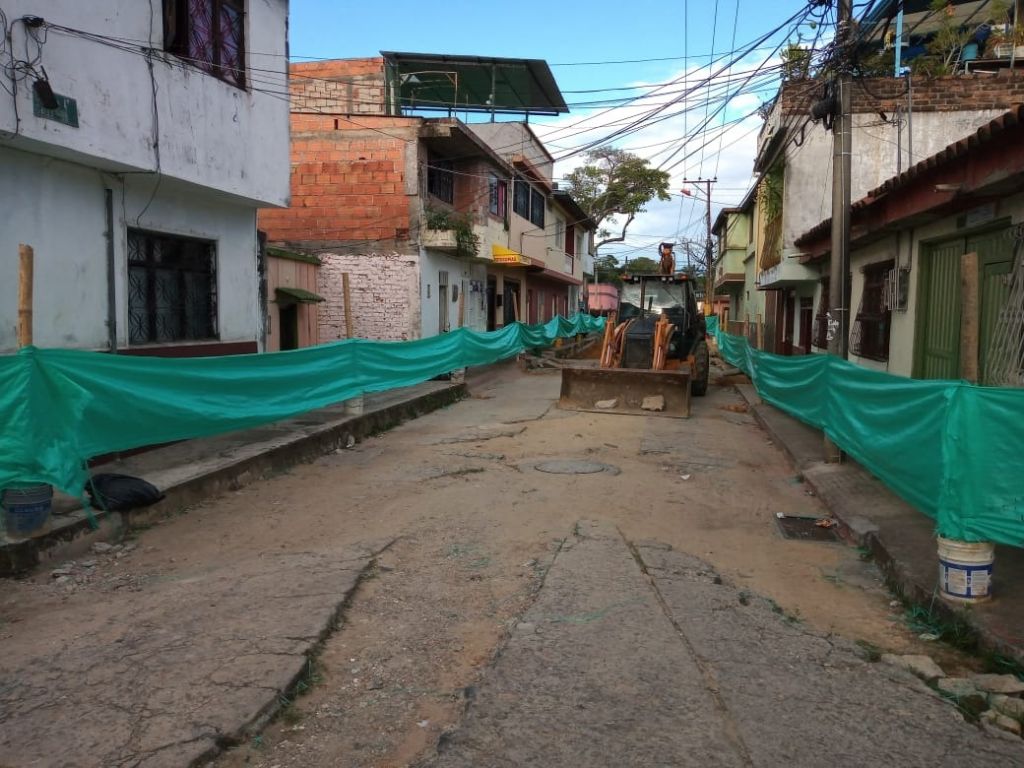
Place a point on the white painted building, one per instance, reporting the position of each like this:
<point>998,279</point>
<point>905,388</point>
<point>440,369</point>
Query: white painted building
<point>139,190</point>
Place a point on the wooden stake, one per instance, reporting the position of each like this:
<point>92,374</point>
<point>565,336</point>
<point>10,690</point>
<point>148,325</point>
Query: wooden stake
<point>462,305</point>
<point>25,281</point>
<point>760,332</point>
<point>969,317</point>
<point>347,295</point>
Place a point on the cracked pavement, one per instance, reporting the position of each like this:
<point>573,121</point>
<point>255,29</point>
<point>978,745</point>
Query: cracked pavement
<point>168,674</point>
<point>640,655</point>
<point>483,625</point>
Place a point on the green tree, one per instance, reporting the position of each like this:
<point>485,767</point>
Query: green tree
<point>607,269</point>
<point>642,265</point>
<point>616,183</point>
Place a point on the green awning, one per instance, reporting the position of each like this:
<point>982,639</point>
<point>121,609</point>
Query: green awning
<point>296,296</point>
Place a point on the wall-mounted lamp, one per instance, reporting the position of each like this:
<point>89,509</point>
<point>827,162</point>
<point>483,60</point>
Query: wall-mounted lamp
<point>948,187</point>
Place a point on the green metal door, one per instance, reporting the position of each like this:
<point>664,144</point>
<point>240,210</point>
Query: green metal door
<point>937,333</point>
<point>995,262</point>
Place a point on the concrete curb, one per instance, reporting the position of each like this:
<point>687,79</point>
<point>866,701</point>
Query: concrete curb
<point>70,535</point>
<point>863,532</point>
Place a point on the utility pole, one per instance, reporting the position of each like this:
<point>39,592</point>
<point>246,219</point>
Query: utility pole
<point>709,273</point>
<point>839,312</point>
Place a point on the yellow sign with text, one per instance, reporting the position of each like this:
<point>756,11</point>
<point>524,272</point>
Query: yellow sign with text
<point>502,255</point>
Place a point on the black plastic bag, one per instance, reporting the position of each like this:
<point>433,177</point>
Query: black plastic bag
<point>116,493</point>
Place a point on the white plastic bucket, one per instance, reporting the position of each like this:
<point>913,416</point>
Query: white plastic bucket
<point>965,570</point>
<point>354,407</point>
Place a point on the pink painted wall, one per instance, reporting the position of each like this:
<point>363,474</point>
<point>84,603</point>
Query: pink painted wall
<point>602,297</point>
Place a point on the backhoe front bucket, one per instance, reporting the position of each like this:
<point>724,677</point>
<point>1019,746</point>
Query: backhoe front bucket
<point>627,391</point>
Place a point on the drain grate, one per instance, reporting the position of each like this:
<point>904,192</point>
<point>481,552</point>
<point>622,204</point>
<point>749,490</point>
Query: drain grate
<point>807,528</point>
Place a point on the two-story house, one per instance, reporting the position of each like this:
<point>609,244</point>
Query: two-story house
<point>896,122</point>
<point>135,170</point>
<point>432,223</point>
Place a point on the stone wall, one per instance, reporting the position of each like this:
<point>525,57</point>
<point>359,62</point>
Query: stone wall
<point>384,289</point>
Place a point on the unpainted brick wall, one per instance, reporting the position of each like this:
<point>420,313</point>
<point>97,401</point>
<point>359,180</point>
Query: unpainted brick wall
<point>952,93</point>
<point>346,86</point>
<point>347,182</point>
<point>384,289</point>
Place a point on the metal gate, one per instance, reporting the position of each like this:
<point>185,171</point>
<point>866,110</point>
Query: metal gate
<point>937,334</point>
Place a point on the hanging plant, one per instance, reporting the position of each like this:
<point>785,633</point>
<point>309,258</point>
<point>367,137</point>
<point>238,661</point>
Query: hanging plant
<point>467,243</point>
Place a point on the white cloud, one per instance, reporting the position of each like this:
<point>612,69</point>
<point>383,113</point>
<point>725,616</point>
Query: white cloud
<point>729,153</point>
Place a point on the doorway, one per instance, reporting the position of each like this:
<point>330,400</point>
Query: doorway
<point>442,302</point>
<point>492,290</point>
<point>288,322</point>
<point>806,323</point>
<point>510,303</point>
<point>937,329</point>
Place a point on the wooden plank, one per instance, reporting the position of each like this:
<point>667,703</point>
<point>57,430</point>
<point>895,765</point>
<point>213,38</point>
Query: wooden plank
<point>26,258</point>
<point>347,298</point>
<point>969,317</point>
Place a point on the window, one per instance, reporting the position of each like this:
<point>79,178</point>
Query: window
<point>870,337</point>
<point>210,34</point>
<point>529,203</point>
<point>441,180</point>
<point>536,209</point>
<point>521,198</point>
<point>172,289</point>
<point>499,192</point>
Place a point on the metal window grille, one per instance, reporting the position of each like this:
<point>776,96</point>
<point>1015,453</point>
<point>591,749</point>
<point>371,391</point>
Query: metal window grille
<point>537,208</point>
<point>210,34</point>
<point>441,181</point>
<point>521,198</point>
<point>870,334</point>
<point>172,289</point>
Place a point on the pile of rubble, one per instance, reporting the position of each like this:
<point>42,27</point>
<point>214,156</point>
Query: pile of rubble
<point>96,572</point>
<point>995,700</point>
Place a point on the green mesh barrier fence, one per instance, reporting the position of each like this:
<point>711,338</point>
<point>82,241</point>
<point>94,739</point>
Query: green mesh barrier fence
<point>952,449</point>
<point>60,407</point>
<point>712,325</point>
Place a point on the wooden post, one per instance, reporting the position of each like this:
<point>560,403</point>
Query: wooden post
<point>760,332</point>
<point>347,295</point>
<point>515,306</point>
<point>462,304</point>
<point>969,317</point>
<point>25,281</point>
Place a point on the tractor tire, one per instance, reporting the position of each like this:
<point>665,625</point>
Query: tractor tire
<point>701,369</point>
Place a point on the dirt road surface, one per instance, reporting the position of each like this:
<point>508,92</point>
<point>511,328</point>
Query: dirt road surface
<point>443,583</point>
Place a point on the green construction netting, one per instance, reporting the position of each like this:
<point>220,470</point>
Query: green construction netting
<point>950,448</point>
<point>60,407</point>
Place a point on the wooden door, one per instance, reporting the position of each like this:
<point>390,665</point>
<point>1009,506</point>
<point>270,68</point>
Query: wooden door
<point>995,263</point>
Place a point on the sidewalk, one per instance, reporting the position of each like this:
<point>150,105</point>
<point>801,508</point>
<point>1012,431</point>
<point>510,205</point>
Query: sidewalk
<point>901,538</point>
<point>190,471</point>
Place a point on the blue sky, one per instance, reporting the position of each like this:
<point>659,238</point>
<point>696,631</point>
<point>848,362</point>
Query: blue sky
<point>566,33</point>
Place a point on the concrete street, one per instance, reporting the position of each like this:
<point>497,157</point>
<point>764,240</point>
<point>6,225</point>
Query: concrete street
<point>441,595</point>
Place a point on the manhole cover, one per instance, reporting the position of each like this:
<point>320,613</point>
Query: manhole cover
<point>807,528</point>
<point>574,467</point>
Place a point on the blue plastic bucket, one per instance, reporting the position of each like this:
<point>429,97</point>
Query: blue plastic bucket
<point>26,509</point>
<point>965,570</point>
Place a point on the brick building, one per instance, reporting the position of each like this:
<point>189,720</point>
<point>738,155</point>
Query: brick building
<point>420,211</point>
